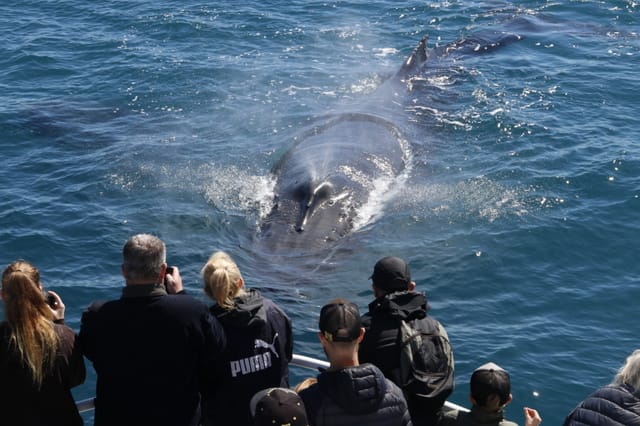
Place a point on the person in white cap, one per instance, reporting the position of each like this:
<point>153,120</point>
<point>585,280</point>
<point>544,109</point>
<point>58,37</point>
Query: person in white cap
<point>490,393</point>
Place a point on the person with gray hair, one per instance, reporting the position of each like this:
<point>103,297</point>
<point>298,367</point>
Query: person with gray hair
<point>615,404</point>
<point>154,347</point>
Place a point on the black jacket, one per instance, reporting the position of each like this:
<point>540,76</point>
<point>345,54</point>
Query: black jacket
<point>355,396</point>
<point>609,405</point>
<point>380,343</point>
<point>23,404</point>
<point>152,353</point>
<point>259,348</point>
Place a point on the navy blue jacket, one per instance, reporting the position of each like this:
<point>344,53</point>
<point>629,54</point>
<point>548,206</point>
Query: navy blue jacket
<point>611,405</point>
<point>259,348</point>
<point>355,396</point>
<point>152,353</point>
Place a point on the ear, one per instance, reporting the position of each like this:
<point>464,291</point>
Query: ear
<point>508,400</point>
<point>240,283</point>
<point>163,272</point>
<point>362,331</point>
<point>122,271</point>
<point>376,291</point>
<point>472,399</point>
<point>412,286</point>
<point>322,339</point>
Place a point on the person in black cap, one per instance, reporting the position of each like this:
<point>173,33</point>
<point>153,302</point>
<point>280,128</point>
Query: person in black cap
<point>396,300</point>
<point>348,392</point>
<point>490,392</point>
<point>278,407</point>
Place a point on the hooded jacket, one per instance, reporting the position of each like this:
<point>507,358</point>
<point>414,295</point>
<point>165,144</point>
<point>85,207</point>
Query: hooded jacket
<point>609,405</point>
<point>354,396</point>
<point>379,345</point>
<point>259,348</point>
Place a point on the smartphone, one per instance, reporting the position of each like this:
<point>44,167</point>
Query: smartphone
<point>169,270</point>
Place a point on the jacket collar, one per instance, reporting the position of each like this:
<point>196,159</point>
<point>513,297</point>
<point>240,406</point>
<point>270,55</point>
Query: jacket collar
<point>143,290</point>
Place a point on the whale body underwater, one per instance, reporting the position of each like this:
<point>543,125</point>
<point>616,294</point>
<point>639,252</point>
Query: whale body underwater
<point>332,170</point>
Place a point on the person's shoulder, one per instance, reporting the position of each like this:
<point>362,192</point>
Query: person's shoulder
<point>273,308</point>
<point>63,330</point>
<point>310,394</point>
<point>183,300</point>
<point>449,417</point>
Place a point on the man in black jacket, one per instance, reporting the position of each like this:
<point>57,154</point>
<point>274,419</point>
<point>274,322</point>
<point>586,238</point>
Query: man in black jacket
<point>349,393</point>
<point>152,351</point>
<point>395,301</point>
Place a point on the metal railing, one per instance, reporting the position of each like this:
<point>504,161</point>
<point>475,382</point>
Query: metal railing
<point>85,405</point>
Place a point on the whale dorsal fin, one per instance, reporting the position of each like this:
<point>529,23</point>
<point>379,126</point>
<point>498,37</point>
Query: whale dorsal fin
<point>417,58</point>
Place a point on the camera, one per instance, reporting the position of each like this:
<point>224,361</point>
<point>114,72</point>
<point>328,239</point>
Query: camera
<point>51,300</point>
<point>168,272</point>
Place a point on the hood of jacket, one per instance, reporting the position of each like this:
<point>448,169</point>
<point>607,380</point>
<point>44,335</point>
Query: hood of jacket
<point>356,390</point>
<point>248,311</point>
<point>406,305</point>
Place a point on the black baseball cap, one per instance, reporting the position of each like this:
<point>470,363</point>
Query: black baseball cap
<point>391,274</point>
<point>278,407</point>
<point>340,321</point>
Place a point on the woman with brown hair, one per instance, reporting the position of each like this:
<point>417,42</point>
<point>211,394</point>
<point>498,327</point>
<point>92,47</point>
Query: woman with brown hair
<point>39,360</point>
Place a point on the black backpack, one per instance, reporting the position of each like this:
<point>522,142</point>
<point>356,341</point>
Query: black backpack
<point>426,361</point>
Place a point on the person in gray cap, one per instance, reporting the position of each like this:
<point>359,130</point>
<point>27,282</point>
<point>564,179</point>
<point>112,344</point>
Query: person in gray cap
<point>396,301</point>
<point>349,393</point>
<point>490,387</point>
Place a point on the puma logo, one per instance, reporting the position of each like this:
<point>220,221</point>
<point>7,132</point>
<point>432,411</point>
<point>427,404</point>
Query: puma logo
<point>259,343</point>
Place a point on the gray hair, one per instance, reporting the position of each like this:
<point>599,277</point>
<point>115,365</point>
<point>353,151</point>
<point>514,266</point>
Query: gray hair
<point>629,373</point>
<point>143,256</point>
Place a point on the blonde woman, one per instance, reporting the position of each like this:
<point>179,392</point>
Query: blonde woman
<point>259,344</point>
<point>615,404</point>
<point>39,360</point>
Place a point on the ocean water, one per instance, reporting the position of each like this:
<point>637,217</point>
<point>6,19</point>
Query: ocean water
<point>518,212</point>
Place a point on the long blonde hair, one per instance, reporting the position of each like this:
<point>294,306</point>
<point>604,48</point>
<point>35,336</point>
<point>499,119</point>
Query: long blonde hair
<point>29,318</point>
<point>222,279</point>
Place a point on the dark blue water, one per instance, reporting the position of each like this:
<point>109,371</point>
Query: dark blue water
<point>518,214</point>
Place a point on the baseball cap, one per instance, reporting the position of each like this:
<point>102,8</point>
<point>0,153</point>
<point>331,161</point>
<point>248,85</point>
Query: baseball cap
<point>391,274</point>
<point>490,379</point>
<point>489,366</point>
<point>340,321</point>
<point>278,407</point>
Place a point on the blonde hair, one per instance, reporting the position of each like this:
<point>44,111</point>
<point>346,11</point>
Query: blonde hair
<point>629,373</point>
<point>222,279</point>
<point>30,319</point>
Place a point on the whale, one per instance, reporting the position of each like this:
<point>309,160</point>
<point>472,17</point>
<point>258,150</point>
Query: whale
<point>344,160</point>
<point>334,167</point>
